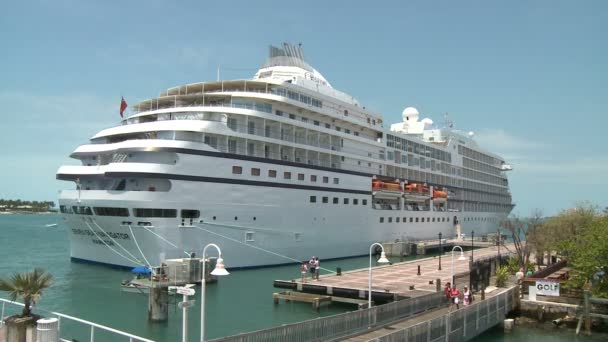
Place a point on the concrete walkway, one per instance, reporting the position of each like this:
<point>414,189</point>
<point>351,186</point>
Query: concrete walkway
<point>399,277</point>
<point>408,322</point>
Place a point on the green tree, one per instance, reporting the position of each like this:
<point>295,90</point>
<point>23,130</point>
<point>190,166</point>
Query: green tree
<point>588,256</point>
<point>27,286</point>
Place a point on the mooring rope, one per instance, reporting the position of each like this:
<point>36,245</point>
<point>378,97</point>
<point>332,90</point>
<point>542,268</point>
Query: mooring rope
<point>110,247</point>
<point>256,247</point>
<point>116,242</point>
<point>165,240</point>
<point>139,249</point>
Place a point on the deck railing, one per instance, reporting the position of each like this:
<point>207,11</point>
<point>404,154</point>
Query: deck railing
<point>336,326</point>
<point>85,327</point>
<point>460,325</point>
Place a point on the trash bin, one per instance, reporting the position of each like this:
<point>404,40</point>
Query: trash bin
<point>47,330</point>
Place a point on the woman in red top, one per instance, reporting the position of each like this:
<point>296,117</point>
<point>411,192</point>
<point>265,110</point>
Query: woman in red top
<point>454,294</point>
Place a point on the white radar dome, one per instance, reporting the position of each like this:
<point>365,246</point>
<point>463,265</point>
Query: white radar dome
<point>410,113</point>
<point>471,134</point>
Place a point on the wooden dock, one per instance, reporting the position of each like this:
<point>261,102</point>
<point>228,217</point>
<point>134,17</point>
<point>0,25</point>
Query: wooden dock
<point>316,300</point>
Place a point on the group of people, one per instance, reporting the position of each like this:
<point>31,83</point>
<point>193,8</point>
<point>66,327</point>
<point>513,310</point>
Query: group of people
<point>455,297</point>
<point>313,265</point>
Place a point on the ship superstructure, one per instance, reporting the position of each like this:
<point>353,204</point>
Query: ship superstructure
<point>274,169</point>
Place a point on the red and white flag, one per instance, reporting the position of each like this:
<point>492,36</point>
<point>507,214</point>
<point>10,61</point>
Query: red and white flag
<point>123,105</point>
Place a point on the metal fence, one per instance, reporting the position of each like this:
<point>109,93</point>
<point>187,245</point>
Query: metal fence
<point>332,327</point>
<point>77,329</point>
<point>460,325</point>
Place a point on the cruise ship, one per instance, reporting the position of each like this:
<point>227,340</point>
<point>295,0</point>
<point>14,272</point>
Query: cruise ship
<point>273,169</point>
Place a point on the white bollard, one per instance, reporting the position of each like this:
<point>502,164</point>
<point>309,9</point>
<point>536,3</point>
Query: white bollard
<point>47,330</point>
<point>509,323</point>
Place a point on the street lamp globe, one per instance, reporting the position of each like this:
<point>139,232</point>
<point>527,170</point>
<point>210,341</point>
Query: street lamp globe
<point>383,259</point>
<point>462,257</point>
<point>220,269</point>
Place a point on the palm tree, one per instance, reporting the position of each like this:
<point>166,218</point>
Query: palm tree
<point>27,286</point>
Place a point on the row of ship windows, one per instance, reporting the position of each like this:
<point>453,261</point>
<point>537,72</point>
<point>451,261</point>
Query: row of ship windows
<point>438,219</point>
<point>318,123</point>
<point>238,170</point>
<point>314,102</point>
<point>414,219</point>
<point>124,212</point>
<point>298,97</point>
<point>336,200</point>
<point>480,219</point>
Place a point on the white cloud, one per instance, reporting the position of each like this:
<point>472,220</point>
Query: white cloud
<point>542,161</point>
<point>503,142</point>
<point>581,171</point>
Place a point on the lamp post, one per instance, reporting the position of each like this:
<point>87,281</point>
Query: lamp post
<point>440,251</point>
<point>472,245</point>
<point>499,241</point>
<point>382,260</point>
<point>471,265</point>
<point>459,258</point>
<point>219,270</point>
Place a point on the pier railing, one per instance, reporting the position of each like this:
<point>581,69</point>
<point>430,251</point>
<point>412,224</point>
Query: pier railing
<point>460,325</point>
<point>79,327</point>
<point>332,327</point>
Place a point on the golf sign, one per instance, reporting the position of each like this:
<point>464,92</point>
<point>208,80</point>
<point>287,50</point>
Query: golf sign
<point>546,287</point>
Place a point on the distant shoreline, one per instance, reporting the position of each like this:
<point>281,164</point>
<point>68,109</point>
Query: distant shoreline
<point>11,212</point>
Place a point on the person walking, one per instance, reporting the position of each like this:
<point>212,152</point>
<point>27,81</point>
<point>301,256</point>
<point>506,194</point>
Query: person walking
<point>317,267</point>
<point>446,291</point>
<point>454,295</point>
<point>311,267</point>
<point>304,270</point>
<point>467,296</point>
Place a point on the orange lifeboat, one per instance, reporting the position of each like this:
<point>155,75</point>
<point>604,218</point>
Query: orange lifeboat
<point>416,192</point>
<point>440,194</point>
<point>393,187</point>
<point>387,187</point>
<point>377,185</point>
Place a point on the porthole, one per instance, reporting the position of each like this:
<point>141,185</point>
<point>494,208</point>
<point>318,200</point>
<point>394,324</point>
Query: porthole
<point>213,218</point>
<point>236,218</point>
<point>254,218</point>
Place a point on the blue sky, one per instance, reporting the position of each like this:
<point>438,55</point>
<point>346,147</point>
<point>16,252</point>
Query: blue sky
<point>530,78</point>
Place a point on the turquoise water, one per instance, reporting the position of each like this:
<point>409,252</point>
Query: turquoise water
<point>543,332</point>
<point>239,302</point>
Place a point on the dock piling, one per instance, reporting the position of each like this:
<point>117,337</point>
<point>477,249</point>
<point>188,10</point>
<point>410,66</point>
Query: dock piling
<point>158,304</point>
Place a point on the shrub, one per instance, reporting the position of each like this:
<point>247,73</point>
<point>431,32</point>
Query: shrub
<point>502,274</point>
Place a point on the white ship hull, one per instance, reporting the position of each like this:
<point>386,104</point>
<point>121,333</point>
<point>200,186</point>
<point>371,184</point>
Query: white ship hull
<point>284,226</point>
